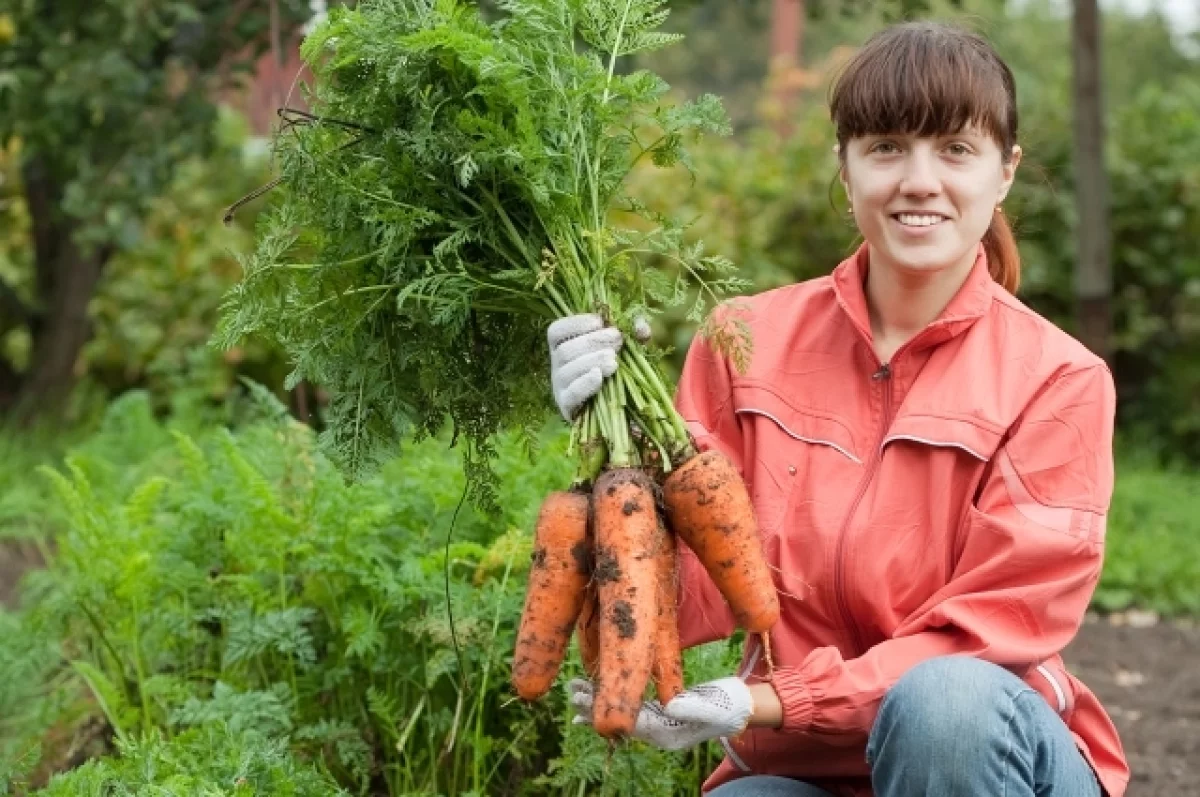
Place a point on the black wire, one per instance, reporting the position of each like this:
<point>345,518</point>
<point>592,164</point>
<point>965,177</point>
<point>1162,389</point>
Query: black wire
<point>294,117</point>
<point>462,670</point>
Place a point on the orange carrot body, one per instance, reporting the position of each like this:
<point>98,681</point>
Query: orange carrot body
<point>668,657</point>
<point>555,593</point>
<point>709,508</point>
<point>626,523</point>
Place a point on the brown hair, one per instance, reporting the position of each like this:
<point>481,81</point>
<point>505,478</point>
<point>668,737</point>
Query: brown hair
<point>927,79</point>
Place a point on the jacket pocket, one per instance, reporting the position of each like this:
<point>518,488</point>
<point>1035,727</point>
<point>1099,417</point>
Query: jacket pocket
<point>971,437</point>
<point>799,461</point>
<point>802,424</point>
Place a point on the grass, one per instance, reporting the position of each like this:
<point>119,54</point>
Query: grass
<point>1153,555</point>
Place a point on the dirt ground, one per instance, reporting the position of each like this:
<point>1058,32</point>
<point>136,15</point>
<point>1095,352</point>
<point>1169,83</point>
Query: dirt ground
<point>1147,675</point>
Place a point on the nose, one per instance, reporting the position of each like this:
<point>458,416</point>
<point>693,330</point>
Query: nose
<point>920,176</point>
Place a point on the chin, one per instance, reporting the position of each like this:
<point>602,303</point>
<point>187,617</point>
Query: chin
<point>930,258</point>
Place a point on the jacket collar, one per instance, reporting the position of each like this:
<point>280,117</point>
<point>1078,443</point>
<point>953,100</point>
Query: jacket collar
<point>968,305</point>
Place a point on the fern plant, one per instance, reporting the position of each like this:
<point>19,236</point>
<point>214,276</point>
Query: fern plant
<point>452,195</point>
<point>241,587</point>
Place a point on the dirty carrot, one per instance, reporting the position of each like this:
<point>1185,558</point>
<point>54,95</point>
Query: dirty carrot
<point>554,596</point>
<point>626,529</point>
<point>667,670</point>
<point>588,631</point>
<point>709,508</point>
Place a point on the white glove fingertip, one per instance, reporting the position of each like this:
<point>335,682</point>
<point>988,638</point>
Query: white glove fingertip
<point>612,337</point>
<point>684,708</point>
<point>572,326</point>
<point>608,366</point>
<point>581,390</point>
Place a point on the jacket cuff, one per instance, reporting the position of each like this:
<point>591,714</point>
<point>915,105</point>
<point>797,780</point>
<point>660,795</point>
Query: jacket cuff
<point>796,699</point>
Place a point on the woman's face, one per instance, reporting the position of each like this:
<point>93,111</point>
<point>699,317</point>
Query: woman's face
<point>924,203</point>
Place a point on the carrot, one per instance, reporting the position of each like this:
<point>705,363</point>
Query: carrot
<point>588,630</point>
<point>668,658</point>
<point>555,593</point>
<point>626,523</point>
<point>709,508</point>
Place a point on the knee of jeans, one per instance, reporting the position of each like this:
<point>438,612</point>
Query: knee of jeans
<point>950,699</point>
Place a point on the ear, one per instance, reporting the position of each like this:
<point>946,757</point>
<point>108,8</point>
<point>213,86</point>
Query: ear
<point>842,177</point>
<point>1010,173</point>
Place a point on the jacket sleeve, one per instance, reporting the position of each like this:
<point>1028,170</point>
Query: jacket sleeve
<point>705,400</point>
<point>1030,560</point>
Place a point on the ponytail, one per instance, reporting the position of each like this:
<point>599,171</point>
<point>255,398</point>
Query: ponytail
<point>1004,260</point>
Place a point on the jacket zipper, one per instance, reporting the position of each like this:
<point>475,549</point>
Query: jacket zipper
<point>883,376</point>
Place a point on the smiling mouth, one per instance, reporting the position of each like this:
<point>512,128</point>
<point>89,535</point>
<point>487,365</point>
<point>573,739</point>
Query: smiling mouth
<point>919,219</point>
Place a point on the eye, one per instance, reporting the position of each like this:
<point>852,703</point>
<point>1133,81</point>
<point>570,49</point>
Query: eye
<point>959,148</point>
<point>884,147</point>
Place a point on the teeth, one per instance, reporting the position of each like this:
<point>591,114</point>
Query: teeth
<point>915,220</point>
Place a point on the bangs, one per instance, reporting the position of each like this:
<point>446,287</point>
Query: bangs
<point>925,79</point>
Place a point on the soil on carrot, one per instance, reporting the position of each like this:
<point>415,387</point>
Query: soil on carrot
<point>1147,675</point>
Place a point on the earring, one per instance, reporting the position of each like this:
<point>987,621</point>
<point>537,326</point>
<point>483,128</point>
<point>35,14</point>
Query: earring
<point>850,210</point>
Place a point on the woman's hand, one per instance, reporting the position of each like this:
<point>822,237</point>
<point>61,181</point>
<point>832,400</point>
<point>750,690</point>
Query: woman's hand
<point>583,353</point>
<point>724,707</point>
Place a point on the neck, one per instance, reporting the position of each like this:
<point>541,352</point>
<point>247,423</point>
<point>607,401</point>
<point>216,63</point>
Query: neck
<point>902,303</point>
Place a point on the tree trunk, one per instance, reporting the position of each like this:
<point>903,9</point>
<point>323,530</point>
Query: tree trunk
<point>1093,269</point>
<point>66,279</point>
<point>787,26</point>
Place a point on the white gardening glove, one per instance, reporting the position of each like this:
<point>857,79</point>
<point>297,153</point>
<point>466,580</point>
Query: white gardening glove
<point>709,711</point>
<point>582,353</point>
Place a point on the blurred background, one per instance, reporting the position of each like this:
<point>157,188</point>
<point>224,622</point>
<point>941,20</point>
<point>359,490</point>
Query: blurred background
<point>128,129</point>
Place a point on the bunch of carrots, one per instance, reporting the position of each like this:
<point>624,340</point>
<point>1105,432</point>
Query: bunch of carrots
<point>605,567</point>
<point>455,190</point>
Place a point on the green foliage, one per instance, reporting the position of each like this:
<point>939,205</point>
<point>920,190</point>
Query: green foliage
<point>213,760</point>
<point>109,97</point>
<point>156,307</point>
<point>30,703</point>
<point>155,310</point>
<point>233,583</point>
<point>1153,554</point>
<point>1154,173</point>
<point>451,199</point>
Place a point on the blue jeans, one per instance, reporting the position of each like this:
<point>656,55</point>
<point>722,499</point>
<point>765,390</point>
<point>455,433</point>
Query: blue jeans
<point>956,726</point>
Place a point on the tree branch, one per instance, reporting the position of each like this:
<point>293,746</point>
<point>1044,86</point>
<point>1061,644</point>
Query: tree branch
<point>42,199</point>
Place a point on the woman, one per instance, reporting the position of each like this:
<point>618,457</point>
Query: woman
<point>930,463</point>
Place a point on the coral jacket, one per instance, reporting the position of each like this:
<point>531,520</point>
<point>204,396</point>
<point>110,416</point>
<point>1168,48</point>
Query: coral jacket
<point>951,501</point>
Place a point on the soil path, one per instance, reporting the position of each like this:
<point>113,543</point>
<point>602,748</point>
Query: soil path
<point>1148,678</point>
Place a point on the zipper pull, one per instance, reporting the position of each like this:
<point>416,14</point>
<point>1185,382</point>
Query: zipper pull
<point>884,372</point>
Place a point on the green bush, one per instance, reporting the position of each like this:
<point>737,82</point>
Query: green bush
<point>157,302</point>
<point>208,761</point>
<point>1153,554</point>
<point>234,580</point>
